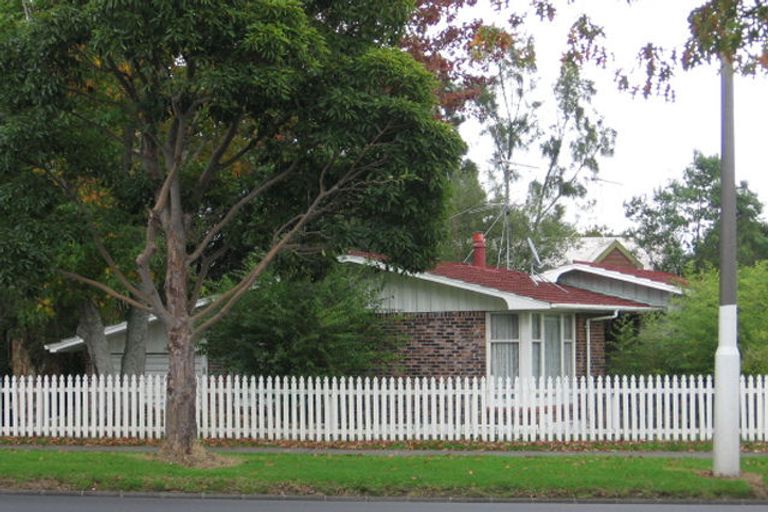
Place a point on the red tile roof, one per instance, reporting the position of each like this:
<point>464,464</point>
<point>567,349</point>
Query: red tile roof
<point>521,283</point>
<point>374,256</point>
<point>653,275</point>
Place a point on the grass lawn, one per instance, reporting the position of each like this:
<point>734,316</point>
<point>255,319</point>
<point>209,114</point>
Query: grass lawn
<point>566,477</point>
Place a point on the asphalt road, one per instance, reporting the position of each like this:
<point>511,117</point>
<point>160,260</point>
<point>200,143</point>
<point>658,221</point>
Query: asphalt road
<point>31,503</point>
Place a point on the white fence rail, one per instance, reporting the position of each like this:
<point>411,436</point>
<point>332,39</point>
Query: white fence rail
<point>365,409</point>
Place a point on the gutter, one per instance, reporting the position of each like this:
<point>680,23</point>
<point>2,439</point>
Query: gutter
<point>589,336</point>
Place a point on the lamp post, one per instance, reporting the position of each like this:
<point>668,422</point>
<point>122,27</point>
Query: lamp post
<point>727,359</point>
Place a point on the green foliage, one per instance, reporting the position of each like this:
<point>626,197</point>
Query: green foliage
<point>684,340</point>
<point>736,28</point>
<point>302,325</point>
<point>467,210</point>
<point>680,223</point>
<point>120,96</point>
<point>570,145</point>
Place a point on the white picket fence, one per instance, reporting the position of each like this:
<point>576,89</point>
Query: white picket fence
<point>391,409</point>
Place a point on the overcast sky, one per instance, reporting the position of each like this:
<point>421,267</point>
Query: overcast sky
<point>656,139</point>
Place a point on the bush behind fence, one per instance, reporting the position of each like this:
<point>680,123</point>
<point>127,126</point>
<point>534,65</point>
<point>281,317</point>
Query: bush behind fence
<point>383,409</point>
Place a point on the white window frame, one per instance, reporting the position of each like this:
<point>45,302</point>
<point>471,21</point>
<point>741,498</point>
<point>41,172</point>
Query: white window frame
<point>563,317</point>
<point>572,340</point>
<point>525,341</point>
<point>521,328</point>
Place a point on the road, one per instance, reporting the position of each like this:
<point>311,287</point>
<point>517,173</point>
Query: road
<point>31,503</point>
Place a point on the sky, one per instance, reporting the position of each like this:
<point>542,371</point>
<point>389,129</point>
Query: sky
<point>656,138</point>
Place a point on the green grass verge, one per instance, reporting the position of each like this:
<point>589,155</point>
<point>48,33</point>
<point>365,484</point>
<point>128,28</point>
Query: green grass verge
<point>469,476</point>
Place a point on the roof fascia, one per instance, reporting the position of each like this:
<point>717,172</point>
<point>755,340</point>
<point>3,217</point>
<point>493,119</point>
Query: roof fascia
<point>555,274</point>
<point>607,307</point>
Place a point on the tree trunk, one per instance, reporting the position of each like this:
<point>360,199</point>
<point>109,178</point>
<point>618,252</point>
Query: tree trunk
<point>91,329</point>
<point>135,353</point>
<point>180,414</point>
<point>21,361</point>
<point>181,421</point>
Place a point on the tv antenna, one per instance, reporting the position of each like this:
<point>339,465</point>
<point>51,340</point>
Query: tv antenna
<point>536,263</point>
<point>505,208</point>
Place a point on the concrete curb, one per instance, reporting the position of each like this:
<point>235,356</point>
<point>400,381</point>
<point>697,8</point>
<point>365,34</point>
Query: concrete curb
<point>369,499</point>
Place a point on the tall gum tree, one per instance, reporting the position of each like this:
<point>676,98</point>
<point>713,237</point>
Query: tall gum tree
<point>275,125</point>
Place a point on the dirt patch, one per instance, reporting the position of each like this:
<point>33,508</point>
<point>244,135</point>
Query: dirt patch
<point>757,484</point>
<point>754,480</point>
<point>293,488</point>
<point>40,484</point>
<point>200,458</point>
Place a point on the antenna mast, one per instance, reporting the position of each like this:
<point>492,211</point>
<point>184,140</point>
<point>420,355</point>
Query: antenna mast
<point>505,229</point>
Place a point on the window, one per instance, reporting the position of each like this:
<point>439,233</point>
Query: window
<point>568,344</point>
<point>553,350</point>
<point>505,346</point>
<point>552,342</point>
<point>536,345</point>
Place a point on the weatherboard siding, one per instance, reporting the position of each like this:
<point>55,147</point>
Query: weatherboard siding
<point>157,364</point>
<point>409,295</point>
<point>614,287</point>
<point>157,351</point>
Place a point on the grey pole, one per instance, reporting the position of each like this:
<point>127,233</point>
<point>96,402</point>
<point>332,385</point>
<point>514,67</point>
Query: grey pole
<point>727,359</point>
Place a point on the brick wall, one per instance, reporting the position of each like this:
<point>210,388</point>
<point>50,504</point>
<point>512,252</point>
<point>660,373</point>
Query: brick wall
<point>442,344</point>
<point>597,347</point>
<point>453,344</point>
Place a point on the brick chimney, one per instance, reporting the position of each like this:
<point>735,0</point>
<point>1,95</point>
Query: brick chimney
<point>478,253</point>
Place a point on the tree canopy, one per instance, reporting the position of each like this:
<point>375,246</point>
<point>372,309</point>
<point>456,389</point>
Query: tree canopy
<point>684,339</point>
<point>247,131</point>
<point>680,223</point>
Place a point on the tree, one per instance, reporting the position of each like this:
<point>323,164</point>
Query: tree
<point>467,211</point>
<point>44,231</point>
<point>679,224</point>
<point>570,147</point>
<point>306,325</point>
<point>444,34</point>
<point>684,340</point>
<point>271,125</point>
<point>461,49</point>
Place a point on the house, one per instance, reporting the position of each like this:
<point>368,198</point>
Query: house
<point>474,320</point>
<point>613,251</point>
<point>462,319</point>
<point>157,347</point>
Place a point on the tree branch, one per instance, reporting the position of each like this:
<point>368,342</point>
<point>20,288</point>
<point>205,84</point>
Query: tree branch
<point>216,229</point>
<point>142,264</point>
<point>225,301</point>
<point>205,266</point>
<point>124,80</point>
<point>213,162</point>
<point>148,157</point>
<point>102,250</point>
<point>240,153</point>
<point>103,287</point>
<point>112,135</point>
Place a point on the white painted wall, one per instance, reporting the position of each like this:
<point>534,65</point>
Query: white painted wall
<point>411,295</point>
<point>616,288</point>
<point>157,351</point>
